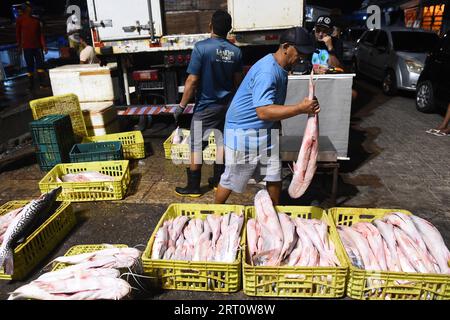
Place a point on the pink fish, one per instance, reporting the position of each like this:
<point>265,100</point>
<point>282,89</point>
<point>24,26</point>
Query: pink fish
<point>410,250</point>
<point>373,236</point>
<point>387,232</point>
<point>361,243</point>
<point>289,235</point>
<point>252,238</point>
<point>214,222</point>
<point>175,228</point>
<point>306,165</point>
<point>271,241</point>
<point>160,243</point>
<point>434,243</point>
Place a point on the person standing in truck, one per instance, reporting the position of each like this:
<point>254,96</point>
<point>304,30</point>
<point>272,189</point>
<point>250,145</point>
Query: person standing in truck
<point>30,39</point>
<point>215,72</point>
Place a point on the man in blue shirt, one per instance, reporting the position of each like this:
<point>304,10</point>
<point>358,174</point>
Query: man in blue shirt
<point>214,72</point>
<point>254,113</point>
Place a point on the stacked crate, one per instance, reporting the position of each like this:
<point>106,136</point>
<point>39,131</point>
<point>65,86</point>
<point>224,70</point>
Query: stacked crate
<point>53,137</point>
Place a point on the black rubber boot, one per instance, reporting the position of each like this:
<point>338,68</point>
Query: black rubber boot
<point>193,185</point>
<point>215,179</point>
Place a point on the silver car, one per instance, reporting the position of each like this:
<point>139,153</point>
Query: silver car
<point>395,56</point>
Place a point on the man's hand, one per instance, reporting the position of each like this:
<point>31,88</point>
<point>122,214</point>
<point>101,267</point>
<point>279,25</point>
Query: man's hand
<point>328,42</point>
<point>179,110</point>
<point>309,106</point>
<point>45,50</point>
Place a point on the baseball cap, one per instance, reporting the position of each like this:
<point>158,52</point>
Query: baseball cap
<point>324,21</point>
<point>300,38</point>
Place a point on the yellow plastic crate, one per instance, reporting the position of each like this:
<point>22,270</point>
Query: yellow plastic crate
<point>86,248</point>
<point>41,242</point>
<point>298,282</point>
<point>89,191</point>
<point>384,285</point>
<point>189,275</point>
<point>63,104</point>
<point>183,151</point>
<point>132,143</point>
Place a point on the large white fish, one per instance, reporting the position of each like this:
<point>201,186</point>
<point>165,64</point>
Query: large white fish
<point>387,232</point>
<point>161,242</point>
<point>434,243</point>
<point>271,241</point>
<point>410,250</point>
<point>22,224</point>
<point>373,236</point>
<point>359,242</point>
<point>86,176</point>
<point>253,234</point>
<point>289,235</point>
<point>306,164</point>
<point>405,223</point>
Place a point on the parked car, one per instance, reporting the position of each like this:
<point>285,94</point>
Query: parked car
<point>349,38</point>
<point>394,55</point>
<point>433,87</point>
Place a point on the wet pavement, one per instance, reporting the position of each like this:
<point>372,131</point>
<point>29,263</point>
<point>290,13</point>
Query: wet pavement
<point>394,164</point>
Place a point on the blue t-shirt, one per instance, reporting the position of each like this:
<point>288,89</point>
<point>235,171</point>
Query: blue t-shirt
<point>215,60</point>
<point>264,84</point>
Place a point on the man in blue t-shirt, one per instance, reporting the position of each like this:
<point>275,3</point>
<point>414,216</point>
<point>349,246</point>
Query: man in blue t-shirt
<point>256,109</point>
<point>215,71</point>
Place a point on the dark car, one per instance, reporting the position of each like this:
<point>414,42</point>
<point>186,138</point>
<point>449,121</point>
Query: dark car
<point>349,39</point>
<point>433,86</point>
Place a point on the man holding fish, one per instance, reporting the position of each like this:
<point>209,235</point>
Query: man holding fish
<point>254,115</point>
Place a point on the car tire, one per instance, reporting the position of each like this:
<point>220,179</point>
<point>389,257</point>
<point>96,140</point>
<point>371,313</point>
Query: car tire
<point>389,83</point>
<point>425,101</point>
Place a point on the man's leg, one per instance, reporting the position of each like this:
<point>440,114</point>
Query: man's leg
<point>222,195</point>
<point>274,190</point>
<point>194,172</point>
<point>443,126</point>
<point>42,76</point>
<point>29,60</point>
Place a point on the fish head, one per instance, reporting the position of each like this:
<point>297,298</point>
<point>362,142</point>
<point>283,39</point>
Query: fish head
<point>51,195</point>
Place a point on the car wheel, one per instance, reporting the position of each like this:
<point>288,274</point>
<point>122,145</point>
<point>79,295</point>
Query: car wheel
<point>389,83</point>
<point>425,97</point>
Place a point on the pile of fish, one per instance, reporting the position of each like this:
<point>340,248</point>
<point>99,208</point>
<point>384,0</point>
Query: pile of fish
<point>178,137</point>
<point>18,224</point>
<point>397,242</point>
<point>275,239</point>
<point>215,238</point>
<point>85,176</point>
<point>89,276</point>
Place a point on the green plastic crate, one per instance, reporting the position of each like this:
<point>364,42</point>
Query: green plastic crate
<point>53,137</point>
<point>97,151</point>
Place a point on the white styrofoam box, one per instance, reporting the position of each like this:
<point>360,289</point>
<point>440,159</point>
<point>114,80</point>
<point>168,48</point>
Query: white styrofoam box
<point>112,127</point>
<point>98,113</point>
<point>90,82</point>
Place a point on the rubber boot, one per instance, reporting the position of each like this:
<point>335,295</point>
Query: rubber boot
<point>215,179</point>
<point>193,185</point>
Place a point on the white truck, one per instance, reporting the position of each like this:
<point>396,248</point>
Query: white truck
<point>152,39</point>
